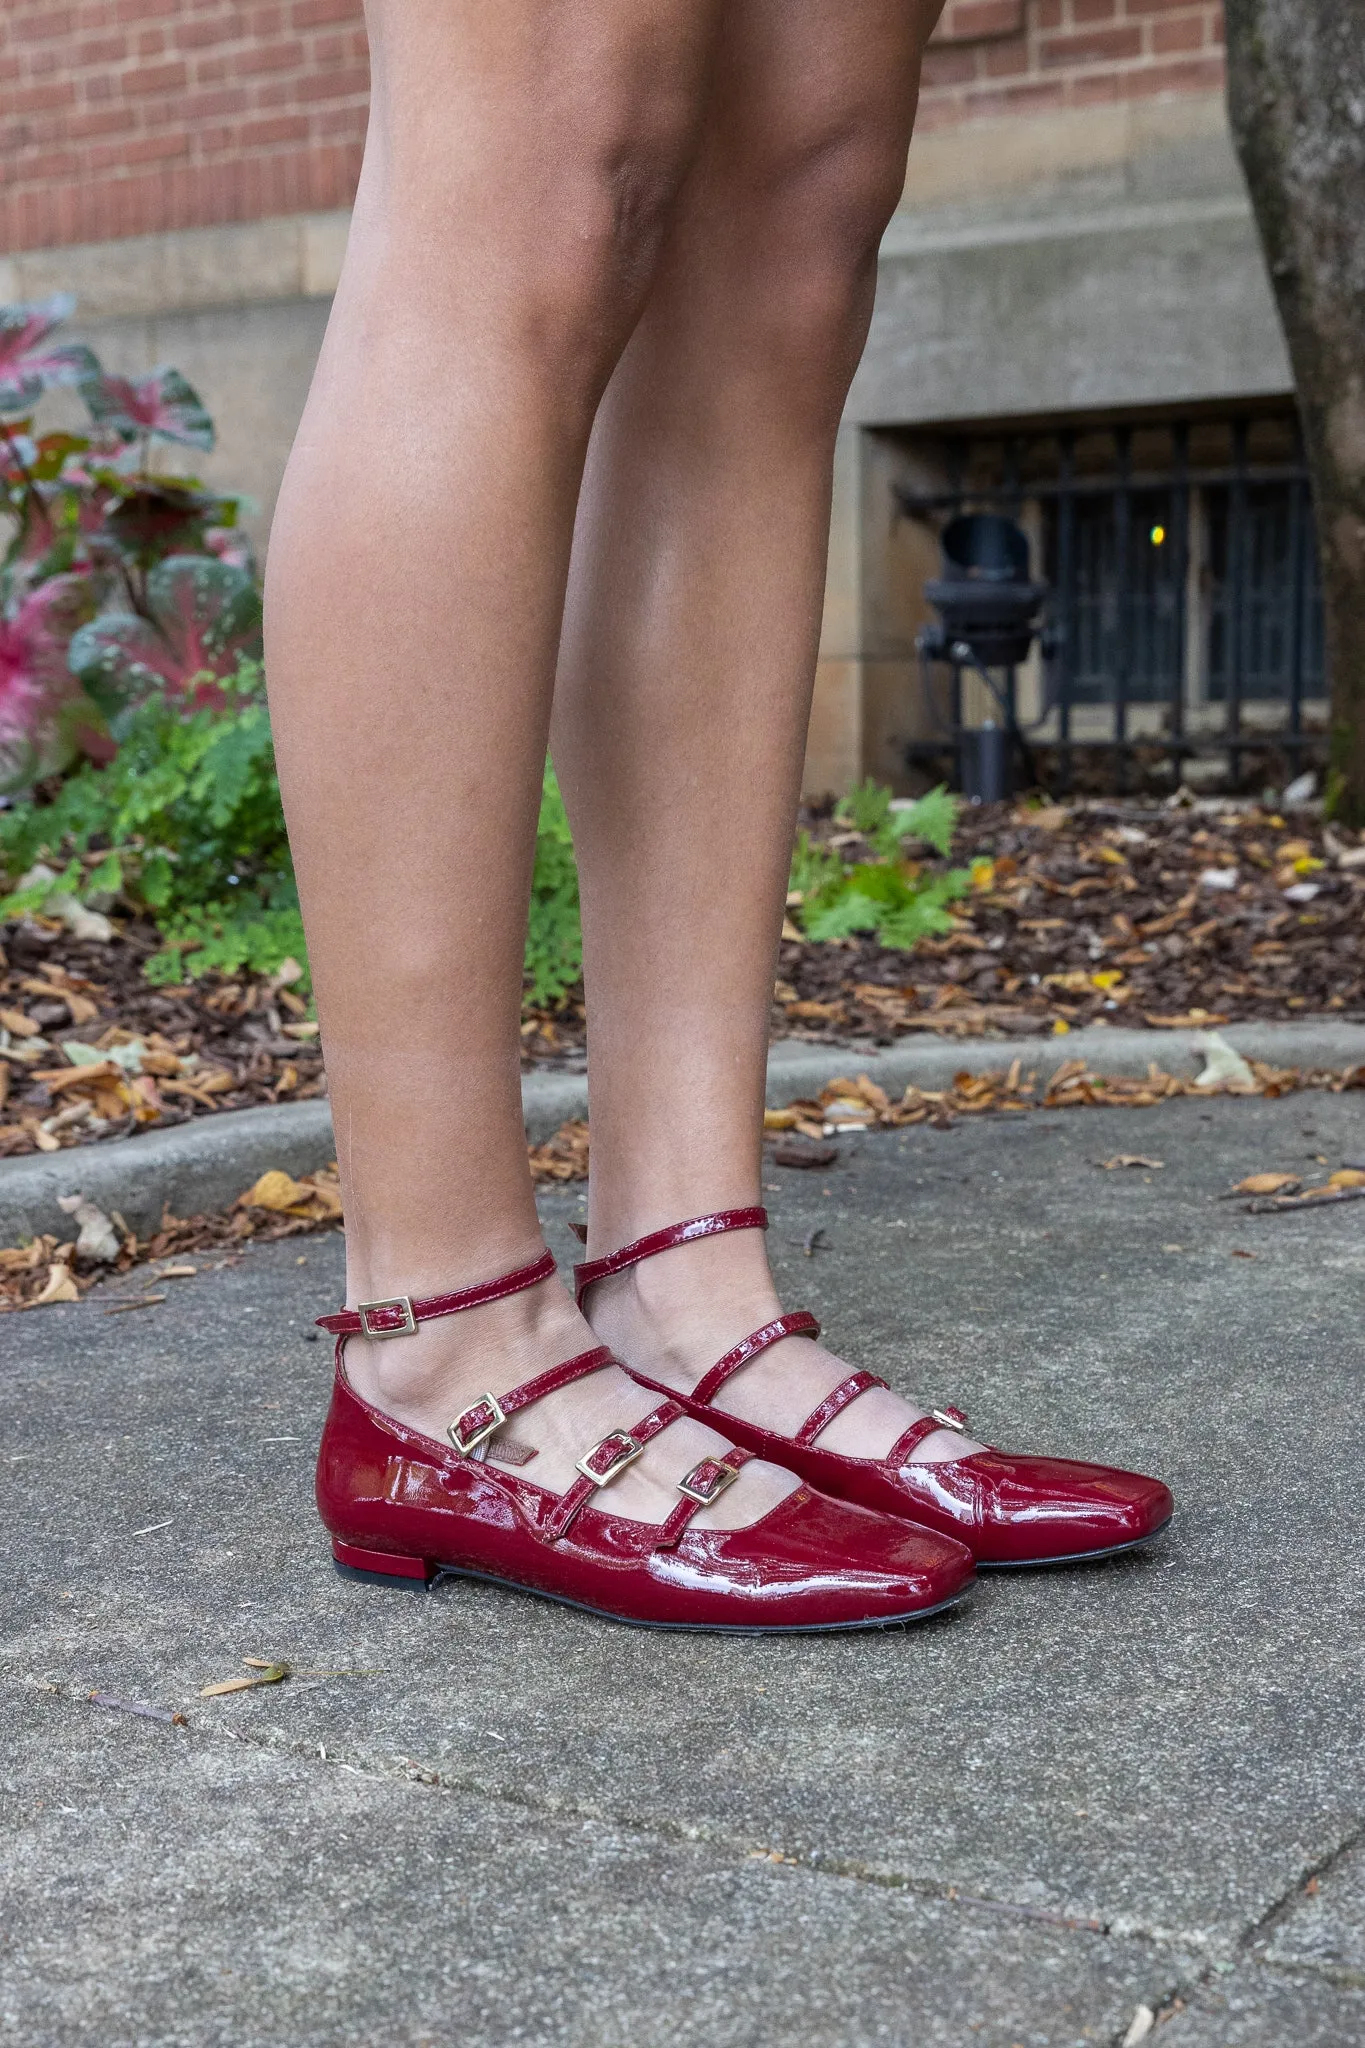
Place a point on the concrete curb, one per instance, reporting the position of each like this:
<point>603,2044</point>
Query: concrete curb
<point>205,1165</point>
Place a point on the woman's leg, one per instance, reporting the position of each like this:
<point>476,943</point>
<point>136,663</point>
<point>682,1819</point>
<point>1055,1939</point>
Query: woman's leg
<point>688,656</point>
<point>521,163</point>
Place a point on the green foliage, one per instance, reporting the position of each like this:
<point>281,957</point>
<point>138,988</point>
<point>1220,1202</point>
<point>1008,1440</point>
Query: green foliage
<point>887,896</point>
<point>872,810</point>
<point>183,825</point>
<point>554,939</point>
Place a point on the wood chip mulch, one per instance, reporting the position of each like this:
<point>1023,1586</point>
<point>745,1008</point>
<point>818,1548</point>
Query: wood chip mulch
<point>1083,914</point>
<point>1106,913</point>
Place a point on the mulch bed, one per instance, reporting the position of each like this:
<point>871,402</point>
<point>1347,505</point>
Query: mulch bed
<point>1108,913</point>
<point>1093,913</point>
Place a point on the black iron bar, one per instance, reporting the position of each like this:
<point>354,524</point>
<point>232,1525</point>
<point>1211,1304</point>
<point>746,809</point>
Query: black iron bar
<point>1065,656</point>
<point>1121,662</point>
<point>1234,596</point>
<point>1180,552</point>
<point>1298,538</point>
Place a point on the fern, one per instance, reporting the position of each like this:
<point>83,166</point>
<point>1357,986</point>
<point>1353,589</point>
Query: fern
<point>894,901</point>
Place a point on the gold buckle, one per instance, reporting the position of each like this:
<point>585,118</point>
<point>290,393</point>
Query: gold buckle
<point>401,1304</point>
<point>629,1450</point>
<point>704,1489</point>
<point>948,1418</point>
<point>486,1414</point>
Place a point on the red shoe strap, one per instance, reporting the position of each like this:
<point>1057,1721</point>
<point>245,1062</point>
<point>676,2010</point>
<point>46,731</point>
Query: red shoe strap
<point>629,1255</point>
<point>475,1424</point>
<point>834,1403</point>
<point>919,1432</point>
<point>599,1466</point>
<point>399,1315</point>
<point>703,1484</point>
<point>800,1323</point>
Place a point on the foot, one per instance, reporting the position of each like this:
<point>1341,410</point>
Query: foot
<point>427,1379</point>
<point>675,1314</point>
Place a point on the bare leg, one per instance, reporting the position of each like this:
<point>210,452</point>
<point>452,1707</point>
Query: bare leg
<point>521,163</point>
<point>686,668</point>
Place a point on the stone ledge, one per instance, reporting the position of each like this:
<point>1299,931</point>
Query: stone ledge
<point>187,270</point>
<point>205,1165</point>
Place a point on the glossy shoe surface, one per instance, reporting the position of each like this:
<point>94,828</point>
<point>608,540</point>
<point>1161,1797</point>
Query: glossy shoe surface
<point>1008,1508</point>
<point>399,1504</point>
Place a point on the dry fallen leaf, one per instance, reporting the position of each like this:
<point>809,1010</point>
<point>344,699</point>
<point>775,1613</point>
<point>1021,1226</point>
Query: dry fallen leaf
<point>1224,1066</point>
<point>1130,1159</point>
<point>1268,1184</point>
<point>98,1239</point>
<point>60,1287</point>
<point>1346,1177</point>
<point>779,1119</point>
<point>262,1674</point>
<point>20,1026</point>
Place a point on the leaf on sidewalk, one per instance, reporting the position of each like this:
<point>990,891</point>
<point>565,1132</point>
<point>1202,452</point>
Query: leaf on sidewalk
<point>1224,1066</point>
<point>315,1199</point>
<point>1268,1184</point>
<point>60,1286</point>
<point>1130,1159</point>
<point>261,1674</point>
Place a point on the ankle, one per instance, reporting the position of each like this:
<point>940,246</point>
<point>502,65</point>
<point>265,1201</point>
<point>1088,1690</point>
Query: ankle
<point>455,1358</point>
<point>685,1303</point>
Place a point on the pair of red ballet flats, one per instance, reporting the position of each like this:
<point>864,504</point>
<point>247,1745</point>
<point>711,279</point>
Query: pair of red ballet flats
<point>863,1543</point>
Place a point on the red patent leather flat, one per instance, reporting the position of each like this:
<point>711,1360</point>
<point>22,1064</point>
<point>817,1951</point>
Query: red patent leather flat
<point>403,1507</point>
<point>1008,1509</point>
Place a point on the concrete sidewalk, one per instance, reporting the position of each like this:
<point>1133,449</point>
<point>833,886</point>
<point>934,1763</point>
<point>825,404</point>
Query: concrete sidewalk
<point>1089,1792</point>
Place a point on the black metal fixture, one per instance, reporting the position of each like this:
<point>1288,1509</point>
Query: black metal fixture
<point>989,616</point>
<point>1183,603</point>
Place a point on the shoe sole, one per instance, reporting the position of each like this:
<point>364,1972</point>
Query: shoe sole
<point>709,1628</point>
<point>1037,1564</point>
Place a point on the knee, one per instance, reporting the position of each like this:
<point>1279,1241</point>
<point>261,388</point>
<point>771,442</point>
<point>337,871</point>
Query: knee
<point>819,209</point>
<point>596,246</point>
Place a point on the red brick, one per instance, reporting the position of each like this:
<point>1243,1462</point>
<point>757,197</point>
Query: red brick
<point>1096,46</point>
<point>1182,32</point>
<point>154,78</point>
<point>1083,12</point>
<point>970,21</point>
<point>318,13</point>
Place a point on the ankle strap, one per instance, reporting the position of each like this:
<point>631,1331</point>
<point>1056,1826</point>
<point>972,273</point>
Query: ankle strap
<point>592,1270</point>
<point>399,1315</point>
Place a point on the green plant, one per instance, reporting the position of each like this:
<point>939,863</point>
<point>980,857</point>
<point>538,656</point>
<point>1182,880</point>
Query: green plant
<point>887,895</point>
<point>554,937</point>
<point>183,825</point>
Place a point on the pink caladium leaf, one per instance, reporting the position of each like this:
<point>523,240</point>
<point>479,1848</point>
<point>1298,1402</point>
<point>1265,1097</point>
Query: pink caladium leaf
<point>204,617</point>
<point>29,364</point>
<point>46,719</point>
<point>162,404</point>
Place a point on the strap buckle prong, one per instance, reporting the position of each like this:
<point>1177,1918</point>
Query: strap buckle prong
<point>707,1481</point>
<point>622,1448</point>
<point>399,1305</point>
<point>476,1424</point>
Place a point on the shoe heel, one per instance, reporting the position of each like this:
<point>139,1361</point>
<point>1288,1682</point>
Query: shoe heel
<point>381,1567</point>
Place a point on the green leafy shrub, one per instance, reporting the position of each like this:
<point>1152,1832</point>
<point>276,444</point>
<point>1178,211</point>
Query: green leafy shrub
<point>554,937</point>
<point>184,825</point>
<point>887,896</point>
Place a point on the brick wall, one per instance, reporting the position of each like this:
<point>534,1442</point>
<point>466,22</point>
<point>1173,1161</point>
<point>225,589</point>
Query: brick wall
<point>1020,56</point>
<point>121,117</point>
